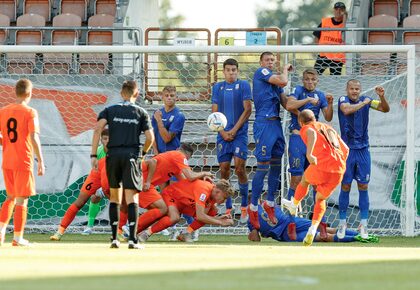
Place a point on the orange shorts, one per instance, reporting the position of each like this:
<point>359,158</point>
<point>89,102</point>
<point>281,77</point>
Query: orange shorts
<point>92,183</point>
<point>325,182</point>
<point>19,183</point>
<point>146,198</point>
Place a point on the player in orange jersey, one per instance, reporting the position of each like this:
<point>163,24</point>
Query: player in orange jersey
<point>159,170</point>
<point>196,199</point>
<point>91,188</point>
<point>19,126</point>
<point>327,155</point>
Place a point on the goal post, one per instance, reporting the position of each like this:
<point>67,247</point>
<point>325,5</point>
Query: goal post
<point>68,104</point>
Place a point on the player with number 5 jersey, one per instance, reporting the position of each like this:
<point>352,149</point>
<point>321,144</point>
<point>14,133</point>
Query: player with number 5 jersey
<point>19,127</point>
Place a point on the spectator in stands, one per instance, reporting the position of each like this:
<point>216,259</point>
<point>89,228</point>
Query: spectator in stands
<point>168,123</point>
<point>334,60</point>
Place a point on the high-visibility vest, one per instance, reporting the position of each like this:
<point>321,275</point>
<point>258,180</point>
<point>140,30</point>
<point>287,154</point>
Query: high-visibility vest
<point>332,38</point>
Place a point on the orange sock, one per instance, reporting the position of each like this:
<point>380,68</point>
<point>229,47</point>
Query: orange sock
<point>19,220</point>
<point>6,211</point>
<point>148,218</point>
<point>123,219</point>
<point>162,224</point>
<point>69,216</point>
<point>300,193</point>
<point>319,210</point>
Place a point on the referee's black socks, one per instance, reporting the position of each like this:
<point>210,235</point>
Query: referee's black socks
<point>133,213</point>
<point>114,218</point>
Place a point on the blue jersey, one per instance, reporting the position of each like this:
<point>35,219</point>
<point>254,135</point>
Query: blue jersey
<point>300,93</point>
<point>174,123</point>
<point>229,99</point>
<point>266,96</point>
<point>354,127</point>
<point>267,229</point>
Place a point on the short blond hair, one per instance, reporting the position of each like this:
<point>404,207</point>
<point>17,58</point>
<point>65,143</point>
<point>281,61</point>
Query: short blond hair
<point>310,71</point>
<point>169,89</point>
<point>129,88</point>
<point>23,87</point>
<point>225,186</point>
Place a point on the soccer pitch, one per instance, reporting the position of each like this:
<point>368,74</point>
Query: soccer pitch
<point>216,262</point>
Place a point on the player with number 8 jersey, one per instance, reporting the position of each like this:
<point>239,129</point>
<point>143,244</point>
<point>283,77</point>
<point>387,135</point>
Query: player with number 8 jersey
<point>19,127</point>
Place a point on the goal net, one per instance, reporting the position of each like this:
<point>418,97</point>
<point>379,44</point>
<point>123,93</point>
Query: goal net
<point>72,84</point>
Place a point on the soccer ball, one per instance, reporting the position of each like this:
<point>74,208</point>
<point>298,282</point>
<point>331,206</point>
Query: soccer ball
<point>216,121</point>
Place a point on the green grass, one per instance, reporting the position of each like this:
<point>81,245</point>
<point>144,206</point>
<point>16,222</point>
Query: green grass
<point>216,262</point>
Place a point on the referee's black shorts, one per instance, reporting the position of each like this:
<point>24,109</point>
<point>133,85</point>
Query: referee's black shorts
<point>122,169</point>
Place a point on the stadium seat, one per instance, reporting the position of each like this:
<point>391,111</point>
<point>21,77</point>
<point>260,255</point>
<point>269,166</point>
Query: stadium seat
<point>78,7</point>
<point>412,37</point>
<point>414,7</point>
<point>24,63</point>
<point>4,21</point>
<point>105,7</point>
<point>378,64</point>
<point>40,7</point>
<point>60,63</point>
<point>8,8</point>
<point>97,63</point>
<point>388,7</point>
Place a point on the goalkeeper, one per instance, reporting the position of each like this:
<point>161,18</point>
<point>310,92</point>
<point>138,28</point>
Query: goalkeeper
<point>279,231</point>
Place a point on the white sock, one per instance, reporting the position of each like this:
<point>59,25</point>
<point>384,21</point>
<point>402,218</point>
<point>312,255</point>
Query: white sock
<point>270,203</point>
<point>253,207</point>
<point>364,222</point>
<point>313,229</point>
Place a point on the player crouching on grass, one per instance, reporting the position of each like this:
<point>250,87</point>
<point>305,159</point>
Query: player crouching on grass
<point>279,231</point>
<point>196,199</point>
<point>327,154</point>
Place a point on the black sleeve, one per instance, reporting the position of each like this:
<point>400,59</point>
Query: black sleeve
<point>103,115</point>
<point>317,33</point>
<point>145,121</point>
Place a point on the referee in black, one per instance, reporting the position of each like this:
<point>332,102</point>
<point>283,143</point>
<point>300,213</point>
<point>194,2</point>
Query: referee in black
<point>126,121</point>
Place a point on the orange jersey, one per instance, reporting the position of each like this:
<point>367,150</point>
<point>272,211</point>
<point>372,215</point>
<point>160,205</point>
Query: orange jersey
<point>329,148</point>
<point>17,123</point>
<point>168,164</point>
<point>187,194</point>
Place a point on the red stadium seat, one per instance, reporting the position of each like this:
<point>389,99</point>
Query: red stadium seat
<point>40,7</point>
<point>388,7</point>
<point>105,7</point>
<point>4,21</point>
<point>8,8</point>
<point>414,7</point>
<point>412,37</point>
<point>97,63</point>
<point>77,7</point>
<point>24,63</point>
<point>60,63</point>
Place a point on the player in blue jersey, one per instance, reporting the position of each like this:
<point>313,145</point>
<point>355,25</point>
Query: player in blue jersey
<point>232,97</point>
<point>268,94</point>
<point>168,123</point>
<point>279,231</point>
<point>304,97</point>
<point>353,114</point>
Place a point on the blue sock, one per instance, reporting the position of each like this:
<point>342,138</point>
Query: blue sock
<point>364,204</point>
<point>346,239</point>
<point>290,193</point>
<point>188,218</point>
<point>229,203</point>
<point>343,203</point>
<point>258,183</point>
<point>243,190</point>
<point>273,178</point>
<point>351,233</point>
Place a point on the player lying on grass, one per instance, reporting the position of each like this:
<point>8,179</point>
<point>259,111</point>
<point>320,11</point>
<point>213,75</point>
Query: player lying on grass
<point>279,231</point>
<point>196,199</point>
<point>157,171</point>
<point>95,187</point>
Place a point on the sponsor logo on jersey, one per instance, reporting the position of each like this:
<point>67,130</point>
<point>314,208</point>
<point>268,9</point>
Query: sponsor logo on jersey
<point>171,118</point>
<point>237,87</point>
<point>342,99</point>
<point>203,197</point>
<point>265,71</point>
<point>185,161</point>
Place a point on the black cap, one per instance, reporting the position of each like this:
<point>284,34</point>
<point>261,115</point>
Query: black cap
<point>338,5</point>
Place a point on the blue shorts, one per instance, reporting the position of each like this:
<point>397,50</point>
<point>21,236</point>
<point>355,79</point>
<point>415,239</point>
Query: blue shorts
<point>226,150</point>
<point>297,155</point>
<point>269,139</point>
<point>302,227</point>
<point>358,166</point>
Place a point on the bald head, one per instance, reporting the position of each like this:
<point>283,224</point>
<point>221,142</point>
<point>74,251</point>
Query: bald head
<point>306,117</point>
